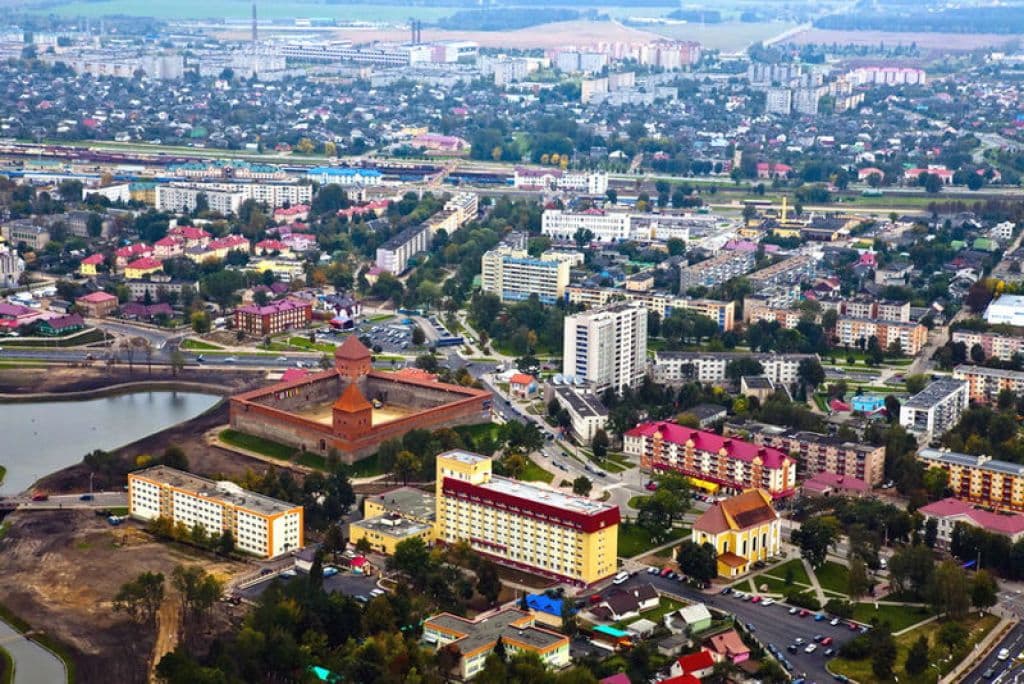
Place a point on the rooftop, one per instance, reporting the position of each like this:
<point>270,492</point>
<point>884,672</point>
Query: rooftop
<point>227,492</point>
<point>749,509</point>
<point>509,624</point>
<point>407,501</point>
<point>393,525</point>
<point>1004,523</point>
<point>709,441</point>
<point>585,405</point>
<point>944,457</point>
<point>934,393</point>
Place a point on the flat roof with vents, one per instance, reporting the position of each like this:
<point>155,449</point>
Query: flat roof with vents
<point>226,492</point>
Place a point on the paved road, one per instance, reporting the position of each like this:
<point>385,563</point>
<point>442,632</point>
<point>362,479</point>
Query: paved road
<point>772,624</point>
<point>33,664</point>
<point>72,501</point>
<point>1014,641</point>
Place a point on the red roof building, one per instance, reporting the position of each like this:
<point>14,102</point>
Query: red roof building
<point>729,646</point>
<point>714,459</point>
<point>273,318</point>
<point>699,665</point>
<point>827,484</point>
<point>949,512</point>
<point>97,304</point>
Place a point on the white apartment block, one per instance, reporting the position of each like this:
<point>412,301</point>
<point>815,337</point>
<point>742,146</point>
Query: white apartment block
<point>394,255</point>
<point>607,347</point>
<point>997,345</point>
<point>716,270</point>
<point>184,198</point>
<point>262,526</point>
<point>606,227</point>
<point>514,276</point>
<point>676,368</point>
<point>936,408</point>
<point>465,205</point>
<point>272,194</point>
<point>586,412</point>
<point>661,303</point>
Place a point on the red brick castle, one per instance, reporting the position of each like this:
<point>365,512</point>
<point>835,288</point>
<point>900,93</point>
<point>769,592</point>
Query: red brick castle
<point>353,408</point>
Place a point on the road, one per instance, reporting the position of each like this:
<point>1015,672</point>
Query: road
<point>1014,642</point>
<point>772,624</point>
<point>70,501</point>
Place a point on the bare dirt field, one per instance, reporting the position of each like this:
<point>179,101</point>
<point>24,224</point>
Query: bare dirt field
<point>61,571</point>
<point>544,36</point>
<point>938,42</point>
<point>728,36</point>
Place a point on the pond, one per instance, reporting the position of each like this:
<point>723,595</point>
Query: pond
<point>42,437</point>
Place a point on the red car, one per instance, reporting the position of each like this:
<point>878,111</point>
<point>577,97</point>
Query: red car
<point>596,598</point>
<point>756,599</point>
<point>804,613</point>
<point>827,641</point>
<point>651,486</point>
<point>853,627</point>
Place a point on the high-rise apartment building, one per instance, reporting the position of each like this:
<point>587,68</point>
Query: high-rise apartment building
<point>514,275</point>
<point>607,347</point>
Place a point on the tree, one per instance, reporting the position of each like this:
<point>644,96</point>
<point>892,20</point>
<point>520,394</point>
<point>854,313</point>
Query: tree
<point>952,634</point>
<point>177,362</point>
<point>406,465</point>
<point>911,568</point>
<point>883,649</point>
<point>582,485</point>
<point>917,656</point>
<point>810,372</point>
<point>931,532</point>
<point>599,444</point>
<point>226,543</point>
<point>699,561</point>
<point>200,322</point>
<point>488,584</point>
<point>984,590</point>
<point>199,591</point>
<point>950,591</point>
<point>418,337</point>
<point>141,597</point>
<point>743,366</point>
<point>815,537</point>
<point>857,582</point>
<point>583,237</point>
<point>936,481</point>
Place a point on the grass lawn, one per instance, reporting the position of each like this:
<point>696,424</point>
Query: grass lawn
<point>6,667</point>
<point>898,617</point>
<point>85,337</point>
<point>257,444</point>
<point>772,585</point>
<point>799,573</point>
<point>635,540</point>
<point>199,345</point>
<point>611,466</point>
<point>634,502</point>
<point>304,343</point>
<point>478,432</point>
<point>366,467</point>
<point>534,473</point>
<point>665,606</point>
<point>311,460</point>
<point>380,317</point>
<point>3,472</point>
<point>860,670</point>
<point>833,577</point>
<point>118,510</point>
<point>620,459</point>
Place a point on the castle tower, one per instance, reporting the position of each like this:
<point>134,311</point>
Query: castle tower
<point>352,414</point>
<point>352,359</point>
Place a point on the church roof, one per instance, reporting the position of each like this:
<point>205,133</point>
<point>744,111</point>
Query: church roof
<point>352,400</point>
<point>351,349</point>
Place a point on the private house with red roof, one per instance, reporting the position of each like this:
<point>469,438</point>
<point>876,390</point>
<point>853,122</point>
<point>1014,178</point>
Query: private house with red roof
<point>168,247</point>
<point>867,172</point>
<point>375,207</point>
<point>944,174</point>
<point>90,264</point>
<point>217,249</point>
<point>522,385</point>
<point>97,304</point>
<point>700,664</point>
<point>833,484</point>
<point>140,268</point>
<point>768,170</point>
<point>950,512</point>
<point>729,647</point>
<point>190,235</point>
<point>298,212</point>
<point>130,253</point>
<point>743,529</point>
<point>710,460</point>
<point>271,246</point>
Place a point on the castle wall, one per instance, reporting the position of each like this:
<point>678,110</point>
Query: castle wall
<point>407,394</point>
<point>299,397</point>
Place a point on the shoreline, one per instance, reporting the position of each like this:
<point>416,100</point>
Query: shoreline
<point>116,390</point>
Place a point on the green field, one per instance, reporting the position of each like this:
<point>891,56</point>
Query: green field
<point>534,473</point>
<point>257,444</point>
<point>199,345</point>
<point>833,577</point>
<point>85,337</point>
<point>898,617</point>
<point>860,670</point>
<point>6,667</point>
<point>478,432</point>
<point>304,343</point>
<point>665,606</point>
<point>367,467</point>
<point>799,572</point>
<point>635,540</point>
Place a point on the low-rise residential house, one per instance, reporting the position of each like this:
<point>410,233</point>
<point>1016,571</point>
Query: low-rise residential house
<point>97,304</point>
<point>950,512</point>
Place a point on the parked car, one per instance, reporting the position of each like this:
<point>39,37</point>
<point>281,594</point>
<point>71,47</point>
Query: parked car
<point>828,652</point>
<point>1004,654</point>
<point>804,612</point>
<point>86,497</point>
<point>811,648</point>
<point>819,617</point>
<point>827,641</point>
<point>768,602</point>
<point>755,599</point>
<point>794,610</point>
<point>834,622</point>
<point>651,486</point>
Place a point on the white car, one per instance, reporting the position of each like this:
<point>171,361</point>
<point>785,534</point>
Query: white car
<point>1004,654</point>
<point>811,648</point>
<point>768,602</point>
<point>834,621</point>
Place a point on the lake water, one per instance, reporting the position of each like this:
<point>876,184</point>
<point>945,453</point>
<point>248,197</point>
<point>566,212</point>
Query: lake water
<point>39,438</point>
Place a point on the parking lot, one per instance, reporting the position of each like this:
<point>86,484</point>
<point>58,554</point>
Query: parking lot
<point>772,625</point>
<point>391,337</point>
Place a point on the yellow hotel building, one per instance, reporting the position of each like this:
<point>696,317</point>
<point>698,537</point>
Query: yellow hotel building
<point>743,529</point>
<point>261,525</point>
<point>541,531</point>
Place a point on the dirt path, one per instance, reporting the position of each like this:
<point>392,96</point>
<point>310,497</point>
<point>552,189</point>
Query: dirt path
<point>168,624</point>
